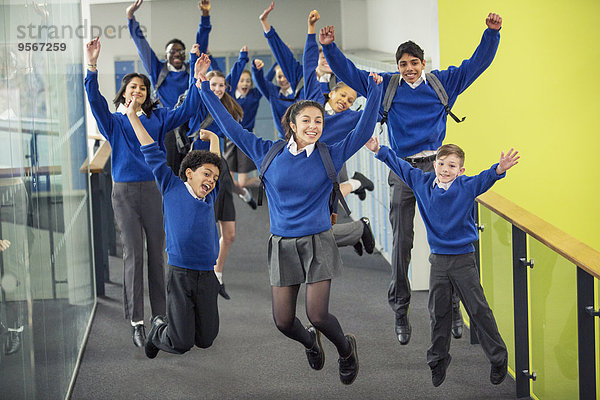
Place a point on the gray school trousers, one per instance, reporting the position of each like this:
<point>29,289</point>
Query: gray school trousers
<point>348,233</point>
<point>458,274</point>
<point>402,214</point>
<point>138,211</point>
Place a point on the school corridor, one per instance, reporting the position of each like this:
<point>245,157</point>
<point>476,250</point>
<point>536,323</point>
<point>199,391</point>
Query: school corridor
<point>251,359</point>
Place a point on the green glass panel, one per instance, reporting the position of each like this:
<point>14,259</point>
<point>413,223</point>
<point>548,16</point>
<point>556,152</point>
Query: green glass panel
<point>553,324</point>
<point>495,243</point>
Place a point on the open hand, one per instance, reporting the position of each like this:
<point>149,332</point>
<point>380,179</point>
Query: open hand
<point>133,8</point>
<point>507,161</point>
<point>4,244</point>
<point>373,145</point>
<point>92,48</point>
<point>201,67</point>
<point>327,35</point>
<point>376,77</point>
<point>493,21</point>
<point>265,14</point>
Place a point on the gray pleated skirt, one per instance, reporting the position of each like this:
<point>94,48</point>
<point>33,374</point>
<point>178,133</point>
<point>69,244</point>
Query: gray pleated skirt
<point>305,259</point>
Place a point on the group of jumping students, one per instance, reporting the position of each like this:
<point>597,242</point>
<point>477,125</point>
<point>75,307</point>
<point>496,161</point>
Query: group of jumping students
<point>174,160</point>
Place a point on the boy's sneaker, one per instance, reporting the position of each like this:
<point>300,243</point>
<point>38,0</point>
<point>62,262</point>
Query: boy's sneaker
<point>349,364</point>
<point>498,372</point>
<point>247,197</point>
<point>438,373</point>
<point>315,355</point>
<point>150,349</point>
<point>223,293</point>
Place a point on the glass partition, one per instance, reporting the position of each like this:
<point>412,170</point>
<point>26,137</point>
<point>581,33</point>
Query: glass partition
<point>553,323</point>
<point>47,288</point>
<point>497,276</point>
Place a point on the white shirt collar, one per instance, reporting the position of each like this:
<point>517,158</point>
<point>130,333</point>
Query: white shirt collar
<point>443,185</point>
<point>293,148</point>
<point>123,110</point>
<point>288,92</point>
<point>239,94</point>
<point>325,78</point>
<point>418,81</point>
<point>189,188</point>
<point>171,68</point>
<point>329,110</point>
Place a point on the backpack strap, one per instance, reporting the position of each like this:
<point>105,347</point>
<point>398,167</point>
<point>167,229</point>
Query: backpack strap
<point>162,75</point>
<point>388,97</point>
<point>336,193</point>
<point>332,82</point>
<point>438,88</point>
<point>273,151</point>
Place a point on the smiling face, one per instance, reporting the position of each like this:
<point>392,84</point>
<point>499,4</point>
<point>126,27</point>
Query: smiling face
<point>136,90</point>
<point>323,65</point>
<point>410,67</point>
<point>448,167</point>
<point>175,55</point>
<point>245,83</point>
<point>308,126</point>
<point>282,80</point>
<point>217,85</point>
<point>203,180</point>
<point>342,98</point>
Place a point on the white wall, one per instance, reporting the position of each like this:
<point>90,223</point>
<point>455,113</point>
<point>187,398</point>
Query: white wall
<point>235,23</point>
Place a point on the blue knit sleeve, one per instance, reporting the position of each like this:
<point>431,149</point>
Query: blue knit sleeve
<point>409,175</point>
<point>157,161</point>
<point>151,62</point>
<point>266,88</point>
<point>104,118</point>
<point>456,79</point>
<point>290,67</point>
<point>253,146</point>
<point>482,182</point>
<point>203,33</point>
<point>236,72</point>
<point>310,60</point>
<point>182,114</point>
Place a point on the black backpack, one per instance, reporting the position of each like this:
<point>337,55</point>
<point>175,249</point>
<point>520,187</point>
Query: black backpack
<point>436,85</point>
<point>336,194</point>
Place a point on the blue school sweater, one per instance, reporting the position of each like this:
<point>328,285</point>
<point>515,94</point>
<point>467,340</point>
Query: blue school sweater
<point>278,102</point>
<point>417,119</point>
<point>297,187</point>
<point>338,125</point>
<point>448,214</point>
<point>290,67</point>
<point>127,162</point>
<point>176,82</point>
<point>190,226</point>
<point>251,101</point>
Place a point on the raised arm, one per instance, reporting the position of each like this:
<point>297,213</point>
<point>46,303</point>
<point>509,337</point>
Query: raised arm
<point>151,62</point>
<point>264,17</point>
<point>404,170</point>
<point>266,88</point>
<point>98,104</point>
<point>343,68</point>
<point>213,139</point>
<point>485,180</point>
<point>205,27</point>
<point>140,132</point>
<point>458,79</point>
<point>310,60</point>
<point>253,146</point>
<point>366,124</point>
<point>236,70</point>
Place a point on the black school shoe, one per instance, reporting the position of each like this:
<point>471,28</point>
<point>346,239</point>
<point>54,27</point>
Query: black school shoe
<point>138,334</point>
<point>438,372</point>
<point>367,237</point>
<point>316,354</point>
<point>358,248</point>
<point>349,365</point>
<point>365,182</point>
<point>498,372</point>
<point>457,323</point>
<point>223,293</point>
<point>12,343</point>
<point>150,349</point>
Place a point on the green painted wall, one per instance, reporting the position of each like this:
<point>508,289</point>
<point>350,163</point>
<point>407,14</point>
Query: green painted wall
<point>540,95</point>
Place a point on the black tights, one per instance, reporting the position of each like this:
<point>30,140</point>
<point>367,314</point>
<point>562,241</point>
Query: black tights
<point>317,310</point>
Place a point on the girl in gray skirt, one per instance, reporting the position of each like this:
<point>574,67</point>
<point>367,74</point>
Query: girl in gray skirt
<point>301,248</point>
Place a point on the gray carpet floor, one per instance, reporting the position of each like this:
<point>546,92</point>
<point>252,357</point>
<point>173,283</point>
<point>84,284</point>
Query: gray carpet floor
<point>251,359</point>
